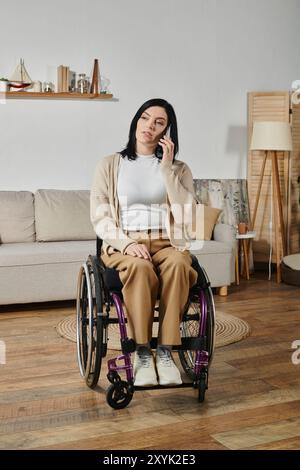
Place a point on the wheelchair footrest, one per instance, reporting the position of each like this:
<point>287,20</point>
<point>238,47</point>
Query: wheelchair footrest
<point>159,387</point>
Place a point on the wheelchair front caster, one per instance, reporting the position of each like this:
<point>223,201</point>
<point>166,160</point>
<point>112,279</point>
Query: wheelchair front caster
<point>202,386</point>
<point>113,377</point>
<point>119,394</point>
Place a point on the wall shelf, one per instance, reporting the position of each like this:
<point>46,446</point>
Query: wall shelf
<point>54,96</point>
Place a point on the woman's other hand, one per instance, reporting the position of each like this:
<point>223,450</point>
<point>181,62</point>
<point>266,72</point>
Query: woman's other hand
<point>138,249</point>
<point>168,148</point>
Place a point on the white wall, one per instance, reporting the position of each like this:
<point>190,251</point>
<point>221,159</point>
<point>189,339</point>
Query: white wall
<point>201,55</point>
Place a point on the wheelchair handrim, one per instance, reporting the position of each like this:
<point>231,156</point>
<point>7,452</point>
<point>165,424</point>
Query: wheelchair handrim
<point>84,275</point>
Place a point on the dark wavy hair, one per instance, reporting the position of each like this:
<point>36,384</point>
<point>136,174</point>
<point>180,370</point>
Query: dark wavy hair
<point>130,149</point>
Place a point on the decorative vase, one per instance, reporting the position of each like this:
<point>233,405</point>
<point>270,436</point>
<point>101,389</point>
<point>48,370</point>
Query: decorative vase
<point>95,84</point>
<point>82,84</point>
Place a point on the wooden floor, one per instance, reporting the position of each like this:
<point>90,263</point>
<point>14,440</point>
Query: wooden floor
<point>253,400</point>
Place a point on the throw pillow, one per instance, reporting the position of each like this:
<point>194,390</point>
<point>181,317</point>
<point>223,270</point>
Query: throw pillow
<point>206,219</point>
<point>211,215</point>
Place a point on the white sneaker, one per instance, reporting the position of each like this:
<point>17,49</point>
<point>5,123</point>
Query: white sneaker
<point>167,370</point>
<point>144,368</point>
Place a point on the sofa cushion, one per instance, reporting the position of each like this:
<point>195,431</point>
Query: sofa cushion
<point>40,272</point>
<point>16,217</point>
<point>30,254</point>
<point>225,233</point>
<point>63,215</point>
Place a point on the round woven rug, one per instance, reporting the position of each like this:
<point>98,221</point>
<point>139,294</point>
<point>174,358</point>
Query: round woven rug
<point>229,329</point>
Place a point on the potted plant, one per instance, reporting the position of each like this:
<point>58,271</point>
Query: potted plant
<point>3,84</point>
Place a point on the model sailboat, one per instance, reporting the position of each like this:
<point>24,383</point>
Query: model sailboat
<point>20,78</point>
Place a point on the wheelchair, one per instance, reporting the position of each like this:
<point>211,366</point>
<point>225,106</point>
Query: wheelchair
<point>99,288</point>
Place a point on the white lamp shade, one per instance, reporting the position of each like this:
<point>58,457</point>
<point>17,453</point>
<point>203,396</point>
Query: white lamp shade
<point>271,135</point>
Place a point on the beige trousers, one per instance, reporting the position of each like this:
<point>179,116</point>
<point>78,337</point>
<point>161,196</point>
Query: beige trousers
<point>169,274</point>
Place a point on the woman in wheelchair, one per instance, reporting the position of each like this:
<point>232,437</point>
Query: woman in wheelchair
<point>143,209</point>
<point>141,200</point>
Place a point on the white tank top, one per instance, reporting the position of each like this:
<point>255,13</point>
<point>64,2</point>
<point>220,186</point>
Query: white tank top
<point>141,193</point>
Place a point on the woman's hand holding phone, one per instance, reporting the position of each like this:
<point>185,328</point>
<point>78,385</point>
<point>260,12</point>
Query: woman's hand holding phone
<point>167,146</point>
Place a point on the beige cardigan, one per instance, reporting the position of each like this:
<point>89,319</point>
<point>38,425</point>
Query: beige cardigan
<point>105,211</point>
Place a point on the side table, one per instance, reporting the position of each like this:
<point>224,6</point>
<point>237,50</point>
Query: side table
<point>242,242</point>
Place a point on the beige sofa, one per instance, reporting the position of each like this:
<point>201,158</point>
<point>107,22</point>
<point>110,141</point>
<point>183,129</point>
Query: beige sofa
<point>46,236</point>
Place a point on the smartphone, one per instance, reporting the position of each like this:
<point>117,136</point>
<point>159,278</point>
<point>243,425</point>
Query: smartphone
<point>159,151</point>
<point>168,133</point>
<point>159,147</point>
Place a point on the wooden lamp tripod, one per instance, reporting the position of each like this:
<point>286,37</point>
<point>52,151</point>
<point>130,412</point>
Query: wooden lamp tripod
<point>272,136</point>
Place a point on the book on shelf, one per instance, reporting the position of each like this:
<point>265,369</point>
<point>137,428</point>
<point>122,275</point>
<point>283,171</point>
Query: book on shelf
<point>66,80</point>
<point>63,79</point>
<point>59,86</point>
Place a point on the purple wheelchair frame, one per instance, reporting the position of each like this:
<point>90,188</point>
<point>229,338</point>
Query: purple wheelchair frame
<point>201,359</point>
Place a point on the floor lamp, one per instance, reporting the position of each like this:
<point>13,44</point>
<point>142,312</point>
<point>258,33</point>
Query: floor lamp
<point>271,137</point>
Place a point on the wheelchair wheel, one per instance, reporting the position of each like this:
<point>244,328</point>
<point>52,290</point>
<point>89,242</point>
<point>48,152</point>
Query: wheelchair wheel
<point>190,328</point>
<point>119,394</point>
<point>90,323</point>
